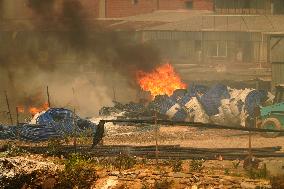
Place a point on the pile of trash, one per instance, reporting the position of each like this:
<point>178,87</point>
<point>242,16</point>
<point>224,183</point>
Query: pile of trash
<point>53,123</point>
<point>218,104</point>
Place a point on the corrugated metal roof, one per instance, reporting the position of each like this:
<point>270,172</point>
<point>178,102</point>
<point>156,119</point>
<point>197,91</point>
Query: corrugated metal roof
<point>184,20</point>
<point>244,23</point>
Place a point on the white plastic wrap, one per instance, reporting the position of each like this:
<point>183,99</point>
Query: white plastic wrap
<point>196,111</point>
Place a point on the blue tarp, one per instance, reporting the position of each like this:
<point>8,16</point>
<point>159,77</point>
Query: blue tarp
<point>253,100</point>
<point>54,123</point>
<point>192,91</point>
<point>211,100</point>
<point>163,103</point>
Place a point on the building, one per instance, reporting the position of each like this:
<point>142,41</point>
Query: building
<point>123,8</point>
<point>249,6</point>
<point>233,45</point>
<point>212,47</point>
<point>15,9</point>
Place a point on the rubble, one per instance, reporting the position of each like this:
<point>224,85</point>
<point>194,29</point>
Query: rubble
<point>180,180</point>
<point>11,166</point>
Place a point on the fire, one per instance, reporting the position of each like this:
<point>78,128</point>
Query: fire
<point>162,80</point>
<point>35,110</point>
<point>21,109</point>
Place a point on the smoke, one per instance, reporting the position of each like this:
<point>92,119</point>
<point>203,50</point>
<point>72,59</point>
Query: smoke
<point>79,60</point>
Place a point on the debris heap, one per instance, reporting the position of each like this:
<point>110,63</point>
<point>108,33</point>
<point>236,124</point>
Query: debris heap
<point>54,123</point>
<point>218,104</point>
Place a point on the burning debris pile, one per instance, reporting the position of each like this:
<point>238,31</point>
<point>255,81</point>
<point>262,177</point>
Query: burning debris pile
<point>218,104</point>
<point>53,123</point>
<point>163,80</point>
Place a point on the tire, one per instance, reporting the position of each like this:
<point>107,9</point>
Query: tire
<point>271,122</point>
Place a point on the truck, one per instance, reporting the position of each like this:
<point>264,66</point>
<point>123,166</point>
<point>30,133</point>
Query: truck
<point>272,116</point>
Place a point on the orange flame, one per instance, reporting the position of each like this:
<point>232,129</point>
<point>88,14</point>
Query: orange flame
<point>162,80</point>
<point>35,110</point>
<point>21,109</point>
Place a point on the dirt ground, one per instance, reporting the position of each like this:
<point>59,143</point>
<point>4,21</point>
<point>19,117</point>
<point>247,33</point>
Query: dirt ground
<point>146,174</point>
<point>188,137</point>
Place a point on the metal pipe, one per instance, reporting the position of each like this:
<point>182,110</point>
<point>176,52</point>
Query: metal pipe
<point>190,124</point>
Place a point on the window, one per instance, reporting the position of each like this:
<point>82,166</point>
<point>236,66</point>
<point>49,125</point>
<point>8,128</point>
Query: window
<point>189,4</point>
<point>217,49</point>
<point>135,2</point>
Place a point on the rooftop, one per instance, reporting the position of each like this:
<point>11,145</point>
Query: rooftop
<point>181,20</point>
<point>243,23</point>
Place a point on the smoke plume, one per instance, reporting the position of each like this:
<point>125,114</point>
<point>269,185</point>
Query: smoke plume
<point>81,61</point>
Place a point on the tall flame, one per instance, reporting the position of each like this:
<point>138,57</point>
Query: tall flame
<point>162,80</point>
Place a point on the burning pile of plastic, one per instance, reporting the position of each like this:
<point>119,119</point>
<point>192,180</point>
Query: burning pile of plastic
<point>218,104</point>
<point>53,123</point>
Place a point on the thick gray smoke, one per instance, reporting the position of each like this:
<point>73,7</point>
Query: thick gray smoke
<point>80,61</point>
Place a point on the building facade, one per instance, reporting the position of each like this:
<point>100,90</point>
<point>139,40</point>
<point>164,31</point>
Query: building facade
<point>249,6</point>
<point>15,9</point>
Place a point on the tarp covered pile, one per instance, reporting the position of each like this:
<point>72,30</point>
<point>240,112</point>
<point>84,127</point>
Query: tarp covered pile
<point>218,104</point>
<point>54,123</point>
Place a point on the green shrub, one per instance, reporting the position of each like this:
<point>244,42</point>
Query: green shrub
<point>236,164</point>
<point>259,173</point>
<point>13,150</point>
<point>226,171</point>
<point>79,172</point>
<point>197,165</point>
<point>124,161</point>
<point>54,146</point>
<point>177,166</point>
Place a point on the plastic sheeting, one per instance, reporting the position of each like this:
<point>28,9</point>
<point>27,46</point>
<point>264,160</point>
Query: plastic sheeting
<point>165,105</point>
<point>211,100</point>
<point>54,123</point>
<point>218,104</point>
